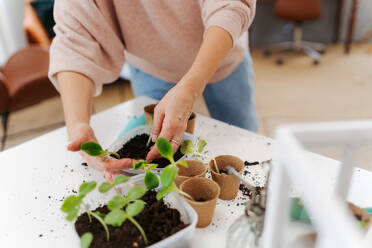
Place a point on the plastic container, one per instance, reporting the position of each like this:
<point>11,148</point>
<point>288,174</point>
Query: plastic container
<point>188,216</point>
<point>121,140</point>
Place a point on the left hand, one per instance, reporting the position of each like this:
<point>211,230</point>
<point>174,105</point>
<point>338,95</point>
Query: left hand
<point>172,113</point>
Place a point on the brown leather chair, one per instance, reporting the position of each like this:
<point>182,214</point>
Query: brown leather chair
<point>25,76</point>
<point>297,12</point>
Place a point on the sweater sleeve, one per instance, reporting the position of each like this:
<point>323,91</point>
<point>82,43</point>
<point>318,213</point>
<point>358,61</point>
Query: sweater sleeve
<point>234,16</point>
<point>86,42</point>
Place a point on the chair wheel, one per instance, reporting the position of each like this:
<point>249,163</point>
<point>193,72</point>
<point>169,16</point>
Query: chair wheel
<point>267,53</point>
<point>322,51</point>
<point>315,62</point>
<point>279,61</point>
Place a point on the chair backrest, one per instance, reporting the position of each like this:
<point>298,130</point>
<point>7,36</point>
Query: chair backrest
<point>298,10</point>
<point>4,96</point>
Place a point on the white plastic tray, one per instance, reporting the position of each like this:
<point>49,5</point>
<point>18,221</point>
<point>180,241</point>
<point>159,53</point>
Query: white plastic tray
<point>121,140</point>
<point>188,215</point>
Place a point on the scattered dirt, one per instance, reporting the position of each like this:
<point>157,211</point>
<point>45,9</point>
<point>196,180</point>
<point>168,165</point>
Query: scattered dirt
<point>251,163</point>
<point>157,219</point>
<point>136,149</point>
<point>201,199</point>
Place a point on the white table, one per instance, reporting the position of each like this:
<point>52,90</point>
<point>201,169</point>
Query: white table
<point>36,175</point>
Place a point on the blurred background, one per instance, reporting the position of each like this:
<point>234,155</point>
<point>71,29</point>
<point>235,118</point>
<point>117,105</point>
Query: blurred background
<point>296,80</point>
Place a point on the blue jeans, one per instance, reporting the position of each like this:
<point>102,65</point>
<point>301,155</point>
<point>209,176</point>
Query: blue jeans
<point>230,100</point>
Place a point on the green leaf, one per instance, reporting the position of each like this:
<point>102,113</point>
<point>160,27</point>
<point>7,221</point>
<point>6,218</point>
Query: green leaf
<point>116,217</point>
<point>105,187</point>
<point>92,148</point>
<point>183,163</point>
<point>120,179</point>
<point>168,175</point>
<point>86,240</point>
<point>363,224</point>
<point>71,203</point>
<point>201,145</point>
<point>136,192</point>
<point>152,166</point>
<point>163,192</point>
<point>139,164</point>
<point>116,202</point>
<point>165,149</point>
<point>187,147</point>
<point>72,215</point>
<point>86,187</point>
<point>151,180</point>
<point>102,215</point>
<point>135,208</point>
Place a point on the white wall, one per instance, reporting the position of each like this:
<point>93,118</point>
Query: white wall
<point>12,36</point>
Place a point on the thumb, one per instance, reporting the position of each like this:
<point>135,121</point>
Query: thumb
<point>153,154</point>
<point>74,146</point>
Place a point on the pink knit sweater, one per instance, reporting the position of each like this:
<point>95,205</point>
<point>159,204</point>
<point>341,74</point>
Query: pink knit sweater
<point>160,37</point>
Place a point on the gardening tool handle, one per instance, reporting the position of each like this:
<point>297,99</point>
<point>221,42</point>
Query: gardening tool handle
<point>233,172</point>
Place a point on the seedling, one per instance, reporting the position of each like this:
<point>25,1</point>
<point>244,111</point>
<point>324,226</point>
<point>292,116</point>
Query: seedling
<point>73,204</point>
<point>133,206</point>
<point>151,180</point>
<point>170,172</point>
<point>149,122</point>
<point>187,147</point>
<point>94,149</point>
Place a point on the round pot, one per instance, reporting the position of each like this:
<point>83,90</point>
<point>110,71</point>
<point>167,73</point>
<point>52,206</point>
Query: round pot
<point>149,115</point>
<point>208,190</point>
<point>229,184</point>
<point>195,169</point>
<point>361,214</point>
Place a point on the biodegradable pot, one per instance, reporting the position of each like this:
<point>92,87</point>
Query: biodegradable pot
<point>149,115</point>
<point>229,184</point>
<point>361,214</point>
<point>195,169</point>
<point>201,187</point>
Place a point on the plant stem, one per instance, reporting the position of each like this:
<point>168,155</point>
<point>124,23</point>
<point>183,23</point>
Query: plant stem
<point>149,140</point>
<point>115,154</point>
<point>215,165</point>
<point>139,228</point>
<point>103,224</point>
<point>87,211</point>
<point>185,194</point>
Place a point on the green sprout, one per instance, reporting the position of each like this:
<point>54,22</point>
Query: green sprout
<point>187,147</point>
<point>170,172</point>
<point>73,204</point>
<point>149,122</point>
<point>133,206</point>
<point>151,179</point>
<point>94,149</point>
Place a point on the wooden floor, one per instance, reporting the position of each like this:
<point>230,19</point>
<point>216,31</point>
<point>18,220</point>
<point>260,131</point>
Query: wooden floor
<point>339,88</point>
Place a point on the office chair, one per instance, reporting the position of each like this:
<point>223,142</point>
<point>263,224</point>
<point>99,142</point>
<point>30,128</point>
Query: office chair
<point>297,11</point>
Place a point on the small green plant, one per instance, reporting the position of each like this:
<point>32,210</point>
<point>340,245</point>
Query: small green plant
<point>133,206</point>
<point>151,180</point>
<point>187,147</point>
<point>73,204</point>
<point>170,172</point>
<point>94,149</point>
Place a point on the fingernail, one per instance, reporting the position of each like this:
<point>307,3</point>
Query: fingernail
<point>154,137</point>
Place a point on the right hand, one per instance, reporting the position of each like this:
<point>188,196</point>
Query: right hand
<point>82,133</point>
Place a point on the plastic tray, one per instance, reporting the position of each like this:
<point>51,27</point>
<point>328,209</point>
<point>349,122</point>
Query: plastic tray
<point>121,140</point>
<point>188,216</point>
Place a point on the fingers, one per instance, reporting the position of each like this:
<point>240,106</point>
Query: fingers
<point>157,123</point>
<point>115,165</point>
<point>172,131</point>
<point>74,146</point>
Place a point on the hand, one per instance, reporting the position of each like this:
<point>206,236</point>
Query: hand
<point>171,115</point>
<point>81,133</point>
